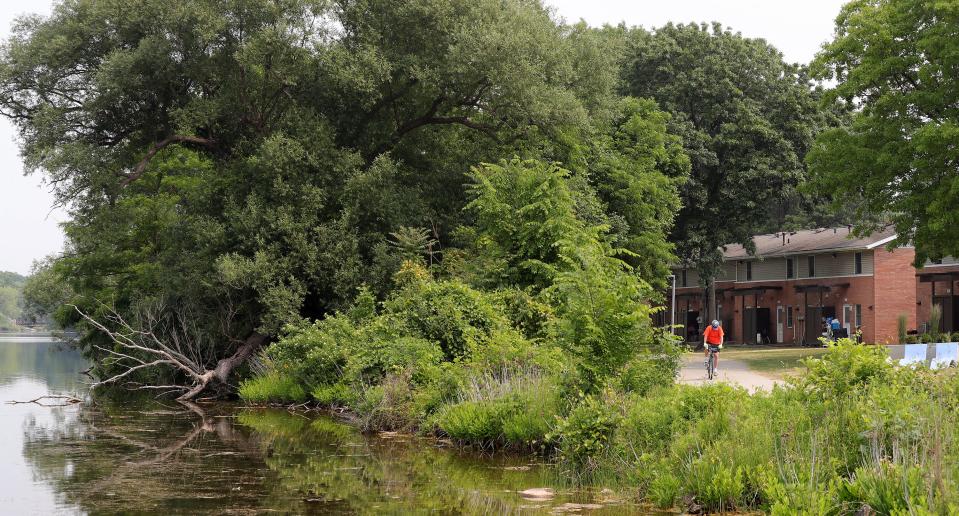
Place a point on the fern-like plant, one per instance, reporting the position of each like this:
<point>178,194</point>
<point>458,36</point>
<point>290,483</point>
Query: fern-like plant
<point>412,243</point>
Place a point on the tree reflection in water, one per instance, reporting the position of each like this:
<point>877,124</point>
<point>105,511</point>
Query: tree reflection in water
<point>216,458</point>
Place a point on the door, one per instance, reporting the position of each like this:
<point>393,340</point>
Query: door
<point>848,320</point>
<point>749,326</point>
<point>779,324</point>
<point>813,325</point>
<point>692,327</point>
<point>764,326</point>
<point>946,321</point>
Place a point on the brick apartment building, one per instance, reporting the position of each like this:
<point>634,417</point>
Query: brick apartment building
<point>795,279</point>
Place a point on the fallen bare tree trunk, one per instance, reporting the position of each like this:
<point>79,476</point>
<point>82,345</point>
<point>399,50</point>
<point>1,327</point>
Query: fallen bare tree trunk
<point>142,348</point>
<point>224,367</point>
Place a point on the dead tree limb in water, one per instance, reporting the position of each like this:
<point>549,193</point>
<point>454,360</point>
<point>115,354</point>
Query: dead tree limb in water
<point>167,343</point>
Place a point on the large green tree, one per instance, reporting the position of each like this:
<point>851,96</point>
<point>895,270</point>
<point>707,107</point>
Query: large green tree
<point>896,63</point>
<point>242,164</point>
<point>746,118</point>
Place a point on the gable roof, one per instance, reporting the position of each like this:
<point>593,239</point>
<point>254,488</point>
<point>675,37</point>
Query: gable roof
<point>809,241</point>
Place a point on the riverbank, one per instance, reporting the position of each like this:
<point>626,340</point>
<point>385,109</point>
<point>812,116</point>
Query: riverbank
<point>852,432</point>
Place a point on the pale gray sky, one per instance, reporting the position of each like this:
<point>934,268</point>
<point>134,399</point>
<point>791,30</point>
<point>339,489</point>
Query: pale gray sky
<point>29,227</point>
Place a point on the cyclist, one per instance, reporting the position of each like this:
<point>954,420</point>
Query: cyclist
<point>713,340</point>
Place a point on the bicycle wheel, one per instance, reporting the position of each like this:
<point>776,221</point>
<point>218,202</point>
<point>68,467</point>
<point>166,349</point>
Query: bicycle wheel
<point>709,367</point>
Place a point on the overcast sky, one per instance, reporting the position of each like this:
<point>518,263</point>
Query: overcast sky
<point>29,226</point>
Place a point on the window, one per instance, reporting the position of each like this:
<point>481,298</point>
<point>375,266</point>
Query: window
<point>683,283</point>
<point>789,317</point>
<point>811,272</point>
<point>749,271</point>
<point>858,316</point>
<point>790,273</point>
<point>858,263</point>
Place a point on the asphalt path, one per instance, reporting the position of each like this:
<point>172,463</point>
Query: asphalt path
<point>731,371</point>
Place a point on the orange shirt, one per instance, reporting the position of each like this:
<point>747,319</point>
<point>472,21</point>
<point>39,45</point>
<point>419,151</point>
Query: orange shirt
<point>714,336</point>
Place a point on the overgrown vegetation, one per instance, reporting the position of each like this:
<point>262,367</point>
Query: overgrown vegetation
<point>11,299</point>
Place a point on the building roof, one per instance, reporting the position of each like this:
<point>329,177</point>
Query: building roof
<point>809,241</point>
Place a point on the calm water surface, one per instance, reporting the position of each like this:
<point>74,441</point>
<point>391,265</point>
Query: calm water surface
<point>167,458</point>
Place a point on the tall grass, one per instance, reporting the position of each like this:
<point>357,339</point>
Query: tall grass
<point>901,325</point>
<point>935,317</point>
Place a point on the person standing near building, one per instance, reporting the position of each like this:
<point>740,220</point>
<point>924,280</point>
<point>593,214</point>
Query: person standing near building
<point>834,328</point>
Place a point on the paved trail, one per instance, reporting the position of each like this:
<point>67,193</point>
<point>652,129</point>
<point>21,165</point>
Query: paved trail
<point>731,371</point>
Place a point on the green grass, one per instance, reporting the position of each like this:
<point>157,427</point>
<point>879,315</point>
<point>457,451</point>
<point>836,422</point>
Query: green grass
<point>775,361</point>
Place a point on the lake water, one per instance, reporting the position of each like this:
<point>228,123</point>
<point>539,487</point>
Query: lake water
<point>167,458</point>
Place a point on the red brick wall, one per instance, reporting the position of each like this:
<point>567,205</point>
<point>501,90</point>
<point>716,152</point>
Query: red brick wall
<point>896,292</point>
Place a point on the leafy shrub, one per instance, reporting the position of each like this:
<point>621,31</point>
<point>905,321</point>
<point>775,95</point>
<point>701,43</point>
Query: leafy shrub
<point>716,486</point>
<point>475,421</point>
<point>272,387</point>
<point>513,407</point>
<point>449,313</point>
<point>315,354</point>
<point>387,405</point>
<point>584,435</point>
<point>527,314</point>
<point>384,349</point>
<point>911,339</point>
<point>886,489</point>
<point>336,395</point>
<point>649,370</point>
<point>954,337</point>
<point>927,338</point>
<point>845,368</point>
<point>664,490</point>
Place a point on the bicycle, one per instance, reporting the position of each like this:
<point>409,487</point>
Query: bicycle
<point>710,362</point>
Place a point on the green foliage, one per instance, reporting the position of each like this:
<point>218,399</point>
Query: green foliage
<point>845,369</point>
<point>473,421</point>
<point>902,323</point>
<point>887,489</point>
<point>583,437</point>
<point>888,60</point>
<point>412,243</point>
<point>322,132</point>
<point>646,372</point>
<point>522,210</point>
<point>664,490</point>
<point>935,320</point>
<point>449,313</point>
<point>273,387</point>
<point>746,119</point>
<point>602,317</point>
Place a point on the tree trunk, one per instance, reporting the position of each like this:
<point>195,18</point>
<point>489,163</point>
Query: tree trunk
<point>711,308</point>
<point>221,373</point>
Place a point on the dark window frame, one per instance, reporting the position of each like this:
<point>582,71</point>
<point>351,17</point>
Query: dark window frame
<point>684,283</point>
<point>811,266</point>
<point>858,263</point>
<point>857,315</point>
<point>790,268</point>
<point>789,316</point>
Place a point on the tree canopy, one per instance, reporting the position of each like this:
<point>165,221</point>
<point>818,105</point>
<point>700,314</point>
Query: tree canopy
<point>895,64</point>
<point>746,118</point>
<point>254,163</point>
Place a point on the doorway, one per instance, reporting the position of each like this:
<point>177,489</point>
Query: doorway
<point>950,317</point>
<point>779,324</point>
<point>815,326</point>
<point>692,326</point>
<point>756,321</point>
